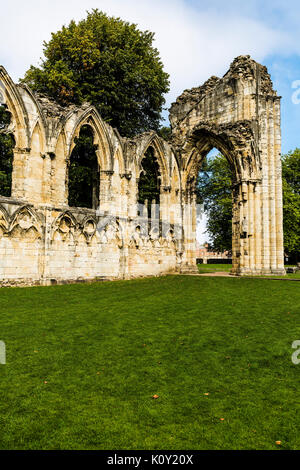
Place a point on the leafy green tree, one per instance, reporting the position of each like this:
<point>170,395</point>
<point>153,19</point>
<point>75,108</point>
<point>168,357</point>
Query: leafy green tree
<point>109,63</point>
<point>7,144</point>
<point>165,133</point>
<point>214,191</point>
<point>291,204</point>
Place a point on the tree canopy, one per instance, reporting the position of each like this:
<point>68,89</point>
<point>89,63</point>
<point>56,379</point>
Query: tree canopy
<point>109,63</point>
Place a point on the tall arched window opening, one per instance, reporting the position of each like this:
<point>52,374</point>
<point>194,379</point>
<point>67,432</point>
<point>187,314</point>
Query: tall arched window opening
<point>84,172</point>
<point>7,144</point>
<point>214,193</point>
<point>149,182</point>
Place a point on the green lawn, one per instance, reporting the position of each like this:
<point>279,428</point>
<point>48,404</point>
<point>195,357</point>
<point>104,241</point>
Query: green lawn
<point>212,268</point>
<point>83,362</point>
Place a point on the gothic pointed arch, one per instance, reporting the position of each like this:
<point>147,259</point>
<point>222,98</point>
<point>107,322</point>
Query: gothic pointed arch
<point>102,140</point>
<point>36,170</point>
<point>36,109</point>
<point>156,143</point>
<point>64,227</point>
<point>83,175</point>
<point>11,97</point>
<point>25,222</point>
<point>239,115</point>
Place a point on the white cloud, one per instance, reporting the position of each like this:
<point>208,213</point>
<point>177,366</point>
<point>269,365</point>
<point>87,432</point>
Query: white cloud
<point>194,42</point>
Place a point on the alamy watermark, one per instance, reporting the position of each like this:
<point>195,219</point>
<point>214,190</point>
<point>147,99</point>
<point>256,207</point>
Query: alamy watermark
<point>154,219</point>
<point>296,94</point>
<point>295,358</point>
<point>2,353</point>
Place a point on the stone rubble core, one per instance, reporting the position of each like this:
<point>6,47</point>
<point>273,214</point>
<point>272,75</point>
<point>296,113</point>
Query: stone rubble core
<point>44,241</point>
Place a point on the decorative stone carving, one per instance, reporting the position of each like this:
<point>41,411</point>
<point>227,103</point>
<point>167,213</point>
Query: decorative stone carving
<point>64,228</point>
<point>89,229</point>
<point>239,114</point>
<point>25,224</point>
<point>3,221</point>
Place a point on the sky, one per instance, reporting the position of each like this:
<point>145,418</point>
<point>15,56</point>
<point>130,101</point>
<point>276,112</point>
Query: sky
<point>196,39</point>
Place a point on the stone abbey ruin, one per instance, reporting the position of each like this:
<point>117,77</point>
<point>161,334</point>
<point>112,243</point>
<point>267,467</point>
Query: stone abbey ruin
<point>43,240</point>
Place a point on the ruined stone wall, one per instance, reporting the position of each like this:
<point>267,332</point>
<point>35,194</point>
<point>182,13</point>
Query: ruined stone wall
<point>44,241</point>
<point>46,245</point>
<point>240,116</point>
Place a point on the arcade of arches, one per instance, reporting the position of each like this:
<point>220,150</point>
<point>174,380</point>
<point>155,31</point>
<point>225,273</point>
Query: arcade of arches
<point>74,215</point>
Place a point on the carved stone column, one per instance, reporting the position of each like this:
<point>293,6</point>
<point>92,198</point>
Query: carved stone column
<point>189,231</point>
<point>20,160</point>
<point>105,189</point>
<point>165,203</point>
<point>47,170</point>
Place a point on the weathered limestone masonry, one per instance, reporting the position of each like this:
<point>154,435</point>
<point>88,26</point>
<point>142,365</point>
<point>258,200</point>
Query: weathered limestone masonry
<point>240,115</point>
<point>44,241</point>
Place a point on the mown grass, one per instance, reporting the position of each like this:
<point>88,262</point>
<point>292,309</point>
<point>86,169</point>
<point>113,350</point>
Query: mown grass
<point>213,268</point>
<point>83,362</point>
